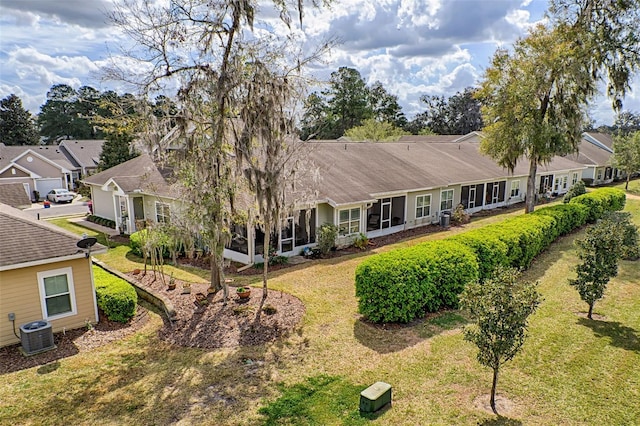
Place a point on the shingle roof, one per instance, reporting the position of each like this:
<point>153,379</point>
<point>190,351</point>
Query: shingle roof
<point>603,138</point>
<point>356,172</point>
<point>83,153</point>
<point>14,195</point>
<point>139,173</point>
<point>25,239</point>
<point>591,155</point>
<point>50,152</point>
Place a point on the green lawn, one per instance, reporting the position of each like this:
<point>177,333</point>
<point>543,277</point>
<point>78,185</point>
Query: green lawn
<point>571,371</point>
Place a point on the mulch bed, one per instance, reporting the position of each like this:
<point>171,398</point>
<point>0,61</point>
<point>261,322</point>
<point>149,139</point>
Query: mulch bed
<point>218,325</point>
<point>72,342</point>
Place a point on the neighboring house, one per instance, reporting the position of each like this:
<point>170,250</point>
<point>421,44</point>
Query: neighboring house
<point>43,276</point>
<point>84,155</point>
<point>39,168</point>
<point>370,188</point>
<point>15,195</point>
<point>595,153</point>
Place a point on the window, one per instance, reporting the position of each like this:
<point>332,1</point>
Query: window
<point>564,182</point>
<point>349,222</point>
<point>163,212</point>
<point>446,199</point>
<point>515,188</point>
<point>56,293</point>
<point>574,179</point>
<point>423,206</point>
<point>599,174</point>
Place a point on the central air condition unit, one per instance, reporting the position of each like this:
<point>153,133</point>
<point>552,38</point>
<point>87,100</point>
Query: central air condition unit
<point>36,337</point>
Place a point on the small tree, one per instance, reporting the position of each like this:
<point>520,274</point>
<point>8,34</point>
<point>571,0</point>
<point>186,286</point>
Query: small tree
<point>626,154</point>
<point>600,251</point>
<point>500,307</point>
<point>376,131</point>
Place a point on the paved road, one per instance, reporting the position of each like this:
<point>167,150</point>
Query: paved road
<point>75,208</point>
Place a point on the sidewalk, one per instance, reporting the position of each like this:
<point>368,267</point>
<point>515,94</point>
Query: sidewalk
<point>99,228</point>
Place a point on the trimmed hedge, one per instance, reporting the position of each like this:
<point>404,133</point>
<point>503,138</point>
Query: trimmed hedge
<point>401,285</point>
<point>116,297</point>
<point>102,221</point>
<point>404,284</point>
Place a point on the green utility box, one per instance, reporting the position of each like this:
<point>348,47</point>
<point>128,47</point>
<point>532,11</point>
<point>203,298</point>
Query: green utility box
<point>375,397</point>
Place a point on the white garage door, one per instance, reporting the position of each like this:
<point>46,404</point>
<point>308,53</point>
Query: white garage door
<point>45,185</point>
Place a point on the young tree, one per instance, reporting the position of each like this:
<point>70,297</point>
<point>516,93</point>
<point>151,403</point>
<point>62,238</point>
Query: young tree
<point>376,131</point>
<point>500,308</point>
<point>626,154</point>
<point>116,149</point>
<point>205,50</point>
<point>600,250</point>
<point>534,98</point>
<point>17,126</point>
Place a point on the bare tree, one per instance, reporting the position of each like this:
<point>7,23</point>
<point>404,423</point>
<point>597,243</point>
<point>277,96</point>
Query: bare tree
<point>204,51</point>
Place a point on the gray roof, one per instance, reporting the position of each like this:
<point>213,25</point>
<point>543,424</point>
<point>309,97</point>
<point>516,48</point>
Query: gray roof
<point>14,195</point>
<point>604,138</point>
<point>50,152</point>
<point>25,239</point>
<point>362,171</point>
<point>83,153</point>
<point>591,155</point>
<point>138,174</point>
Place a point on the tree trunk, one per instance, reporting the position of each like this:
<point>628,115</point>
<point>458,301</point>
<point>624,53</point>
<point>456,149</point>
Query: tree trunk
<point>214,286</point>
<point>265,270</point>
<point>590,311</point>
<point>626,186</point>
<point>493,391</point>
<point>531,186</point>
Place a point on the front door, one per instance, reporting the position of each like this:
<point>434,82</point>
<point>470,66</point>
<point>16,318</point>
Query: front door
<point>138,208</point>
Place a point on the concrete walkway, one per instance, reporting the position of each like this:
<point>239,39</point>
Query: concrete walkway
<point>99,228</point>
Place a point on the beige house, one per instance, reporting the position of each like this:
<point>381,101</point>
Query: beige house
<point>595,153</point>
<point>43,276</point>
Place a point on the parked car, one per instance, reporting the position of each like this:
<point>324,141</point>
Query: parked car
<point>60,196</point>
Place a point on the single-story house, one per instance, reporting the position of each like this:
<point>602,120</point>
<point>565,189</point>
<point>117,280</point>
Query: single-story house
<point>363,187</point>
<point>39,168</point>
<point>595,153</point>
<point>84,155</point>
<point>43,276</point>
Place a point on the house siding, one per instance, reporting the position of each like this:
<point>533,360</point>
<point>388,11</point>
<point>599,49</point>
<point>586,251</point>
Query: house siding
<point>412,221</point>
<point>21,296</point>
<point>102,203</point>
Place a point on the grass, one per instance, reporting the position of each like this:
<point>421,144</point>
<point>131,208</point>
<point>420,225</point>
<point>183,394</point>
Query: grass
<point>571,371</point>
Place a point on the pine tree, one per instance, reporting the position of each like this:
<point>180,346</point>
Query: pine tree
<point>17,126</point>
<point>116,150</point>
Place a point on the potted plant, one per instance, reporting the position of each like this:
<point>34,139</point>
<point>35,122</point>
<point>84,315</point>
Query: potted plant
<point>243,292</point>
<point>172,282</point>
<point>186,288</point>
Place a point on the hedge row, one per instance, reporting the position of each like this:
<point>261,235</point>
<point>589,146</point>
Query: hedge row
<point>116,297</point>
<point>404,284</point>
<point>102,221</point>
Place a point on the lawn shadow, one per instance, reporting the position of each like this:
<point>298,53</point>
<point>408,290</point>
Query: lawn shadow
<point>393,337</point>
<point>501,421</point>
<point>619,335</point>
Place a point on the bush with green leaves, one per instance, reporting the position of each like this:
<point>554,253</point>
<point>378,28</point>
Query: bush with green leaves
<point>150,237</point>
<point>601,201</point>
<point>404,284</point>
<point>630,243</point>
<point>459,217</point>
<point>577,189</point>
<point>116,297</point>
<point>327,237</point>
<point>567,216</point>
<point>490,250</point>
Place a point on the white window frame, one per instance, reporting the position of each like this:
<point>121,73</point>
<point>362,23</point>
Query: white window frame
<point>344,227</point>
<point>68,271</point>
<point>515,188</point>
<point>161,213</point>
<point>422,206</point>
<point>574,178</point>
<point>599,174</point>
<point>565,180</point>
<point>444,202</point>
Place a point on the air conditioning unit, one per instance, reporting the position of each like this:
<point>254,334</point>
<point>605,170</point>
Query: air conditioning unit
<point>36,337</point>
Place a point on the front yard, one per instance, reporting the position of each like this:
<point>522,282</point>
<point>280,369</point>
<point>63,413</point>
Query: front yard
<point>571,370</point>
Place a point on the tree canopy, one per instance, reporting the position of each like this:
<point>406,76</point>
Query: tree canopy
<point>375,131</point>
<point>626,154</point>
<point>457,115</point>
<point>17,126</point>
<point>535,97</point>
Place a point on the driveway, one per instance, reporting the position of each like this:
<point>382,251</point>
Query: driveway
<point>76,207</point>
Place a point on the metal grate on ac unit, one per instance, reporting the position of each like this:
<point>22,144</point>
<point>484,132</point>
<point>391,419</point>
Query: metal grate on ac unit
<point>36,337</point>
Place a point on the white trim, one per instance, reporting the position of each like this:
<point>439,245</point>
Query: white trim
<point>49,260</point>
<point>31,174</point>
<point>106,188</point>
<point>93,291</point>
<point>68,271</point>
<point>167,218</point>
<point>416,207</point>
<point>453,195</point>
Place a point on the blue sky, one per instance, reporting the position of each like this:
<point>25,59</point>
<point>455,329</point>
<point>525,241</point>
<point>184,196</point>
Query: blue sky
<point>414,47</point>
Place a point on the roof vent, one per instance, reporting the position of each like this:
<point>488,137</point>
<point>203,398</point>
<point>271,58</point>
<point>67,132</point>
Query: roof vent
<point>36,337</point>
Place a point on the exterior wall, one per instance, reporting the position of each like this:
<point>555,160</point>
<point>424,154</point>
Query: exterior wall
<point>324,214</point>
<point>589,172</point>
<point>412,221</point>
<point>103,205</point>
<point>347,240</point>
<point>41,167</point>
<point>522,193</point>
<point>21,296</point>
<point>13,172</point>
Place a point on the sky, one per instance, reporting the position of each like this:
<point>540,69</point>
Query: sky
<point>414,47</point>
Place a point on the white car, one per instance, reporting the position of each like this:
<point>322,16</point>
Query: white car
<point>60,196</point>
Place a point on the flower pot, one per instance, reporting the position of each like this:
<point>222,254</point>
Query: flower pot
<point>245,294</point>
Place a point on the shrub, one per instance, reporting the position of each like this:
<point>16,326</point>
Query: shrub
<point>116,297</point>
<point>139,239</point>
<point>459,217</point>
<point>490,250</point>
<point>361,242</point>
<point>327,237</point>
<point>568,216</point>
<point>403,284</point>
<point>601,201</point>
<point>574,191</point>
<point>623,224</point>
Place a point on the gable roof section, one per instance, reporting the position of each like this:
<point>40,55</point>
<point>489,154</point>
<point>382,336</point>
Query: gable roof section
<point>139,174</point>
<point>363,171</point>
<point>602,140</point>
<point>14,195</point>
<point>48,153</point>
<point>27,241</point>
<point>83,153</point>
